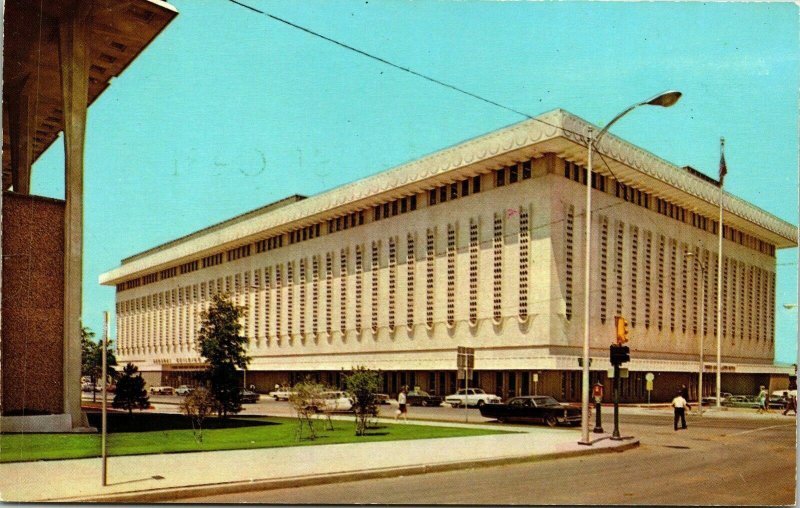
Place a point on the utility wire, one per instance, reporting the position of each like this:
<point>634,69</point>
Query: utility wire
<point>404,69</point>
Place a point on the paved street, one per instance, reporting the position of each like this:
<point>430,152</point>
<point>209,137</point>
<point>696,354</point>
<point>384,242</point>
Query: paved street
<point>715,461</point>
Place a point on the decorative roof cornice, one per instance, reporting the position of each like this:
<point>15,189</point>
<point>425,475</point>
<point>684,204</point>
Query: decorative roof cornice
<point>577,130</point>
<point>359,194</point>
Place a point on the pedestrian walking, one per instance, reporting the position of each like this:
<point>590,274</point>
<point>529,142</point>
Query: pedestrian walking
<point>763,400</point>
<point>680,406</point>
<point>403,409</point>
<point>791,403</point>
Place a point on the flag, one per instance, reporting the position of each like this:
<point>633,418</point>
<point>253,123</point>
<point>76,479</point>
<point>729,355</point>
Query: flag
<point>723,168</point>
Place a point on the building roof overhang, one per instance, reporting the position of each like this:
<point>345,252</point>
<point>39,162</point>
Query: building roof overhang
<point>119,30</point>
<point>556,132</point>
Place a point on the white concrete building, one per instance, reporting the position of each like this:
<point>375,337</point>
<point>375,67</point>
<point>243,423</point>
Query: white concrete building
<point>479,245</point>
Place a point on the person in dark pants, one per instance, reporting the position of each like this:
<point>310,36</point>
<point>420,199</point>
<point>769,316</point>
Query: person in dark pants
<point>680,406</point>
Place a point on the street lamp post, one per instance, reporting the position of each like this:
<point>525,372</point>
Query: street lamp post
<point>704,270</point>
<point>664,100</point>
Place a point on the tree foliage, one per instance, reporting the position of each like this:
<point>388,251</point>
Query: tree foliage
<point>224,349</point>
<point>304,398</point>
<point>363,384</point>
<point>131,393</point>
<point>197,406</point>
<point>92,358</point>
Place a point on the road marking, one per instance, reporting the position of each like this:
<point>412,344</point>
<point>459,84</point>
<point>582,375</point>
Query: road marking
<point>760,428</point>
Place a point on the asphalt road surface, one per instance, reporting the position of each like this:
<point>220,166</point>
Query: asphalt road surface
<point>713,462</point>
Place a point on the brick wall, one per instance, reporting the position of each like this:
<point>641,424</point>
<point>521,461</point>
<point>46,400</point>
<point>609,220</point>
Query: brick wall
<point>32,304</point>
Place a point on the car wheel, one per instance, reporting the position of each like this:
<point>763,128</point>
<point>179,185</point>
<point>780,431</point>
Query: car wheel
<point>424,403</point>
<point>455,406</point>
<point>481,403</point>
<point>550,420</point>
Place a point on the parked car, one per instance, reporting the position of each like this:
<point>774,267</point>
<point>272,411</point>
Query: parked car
<point>248,397</point>
<point>472,397</point>
<point>280,394</point>
<point>161,390</point>
<point>711,400</point>
<point>741,401</point>
<point>534,408</point>
<point>422,398</point>
<point>90,387</point>
<point>382,398</point>
<point>333,401</point>
<point>776,402</point>
<point>184,390</point>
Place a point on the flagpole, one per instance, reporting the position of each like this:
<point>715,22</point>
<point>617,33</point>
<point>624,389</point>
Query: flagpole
<point>722,171</point>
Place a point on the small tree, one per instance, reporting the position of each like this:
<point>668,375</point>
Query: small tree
<point>197,406</point>
<point>130,390</point>
<point>363,384</point>
<point>92,358</point>
<point>304,398</point>
<point>223,348</point>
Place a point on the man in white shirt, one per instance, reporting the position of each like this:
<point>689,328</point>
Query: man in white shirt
<point>680,405</point>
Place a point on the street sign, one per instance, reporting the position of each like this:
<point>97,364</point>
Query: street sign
<point>465,357</point>
<point>535,377</point>
<point>649,385</point>
<point>623,373</point>
<point>649,376</point>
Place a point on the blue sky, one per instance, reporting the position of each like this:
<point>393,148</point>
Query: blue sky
<point>228,110</point>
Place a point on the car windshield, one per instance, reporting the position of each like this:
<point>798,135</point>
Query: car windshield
<point>545,401</point>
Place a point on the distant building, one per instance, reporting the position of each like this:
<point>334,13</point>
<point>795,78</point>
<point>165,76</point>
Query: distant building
<point>478,245</point>
<point>59,56</point>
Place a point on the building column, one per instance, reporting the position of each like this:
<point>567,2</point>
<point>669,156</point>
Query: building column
<point>19,130</point>
<point>73,55</point>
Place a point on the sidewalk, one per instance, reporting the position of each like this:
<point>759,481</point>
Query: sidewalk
<point>152,478</point>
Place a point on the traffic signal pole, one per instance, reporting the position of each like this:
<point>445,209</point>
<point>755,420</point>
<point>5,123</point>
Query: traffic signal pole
<point>619,354</point>
<point>615,435</point>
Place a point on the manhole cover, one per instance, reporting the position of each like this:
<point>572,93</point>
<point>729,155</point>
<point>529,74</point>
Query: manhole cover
<point>158,477</point>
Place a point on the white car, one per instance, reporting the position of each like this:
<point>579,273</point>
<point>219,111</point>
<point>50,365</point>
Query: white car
<point>184,390</point>
<point>333,401</point>
<point>162,390</point>
<point>472,397</point>
<point>280,394</point>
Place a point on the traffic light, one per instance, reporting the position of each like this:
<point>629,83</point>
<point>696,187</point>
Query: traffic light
<point>622,330</point>
<point>620,354</point>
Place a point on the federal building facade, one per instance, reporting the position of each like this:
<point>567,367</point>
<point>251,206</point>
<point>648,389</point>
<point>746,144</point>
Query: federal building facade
<point>479,245</point>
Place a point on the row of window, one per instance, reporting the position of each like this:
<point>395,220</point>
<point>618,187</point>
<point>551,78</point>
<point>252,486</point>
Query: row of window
<point>267,244</point>
<point>664,207</point>
<point>165,314</point>
<point>396,207</point>
<point>652,264</point>
<point>454,190</point>
<point>303,234</point>
<point>238,252</point>
<point>503,176</point>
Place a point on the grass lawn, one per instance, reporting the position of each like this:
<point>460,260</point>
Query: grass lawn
<point>146,433</point>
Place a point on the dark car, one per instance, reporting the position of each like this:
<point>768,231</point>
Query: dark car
<point>249,397</point>
<point>421,398</point>
<point>535,408</point>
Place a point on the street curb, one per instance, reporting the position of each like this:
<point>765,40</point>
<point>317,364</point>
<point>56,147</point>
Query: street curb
<point>171,494</point>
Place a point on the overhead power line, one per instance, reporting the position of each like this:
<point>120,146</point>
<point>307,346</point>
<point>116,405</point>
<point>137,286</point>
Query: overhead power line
<point>400,67</point>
